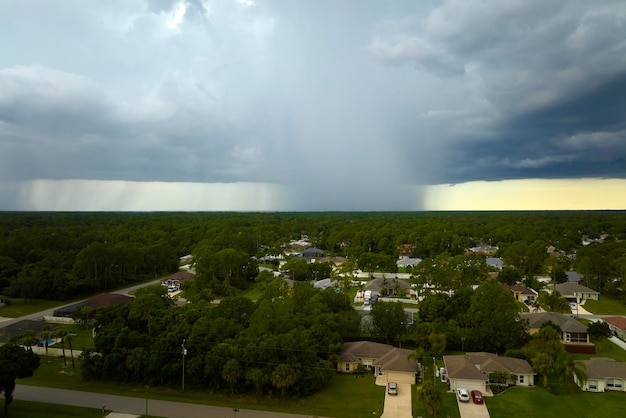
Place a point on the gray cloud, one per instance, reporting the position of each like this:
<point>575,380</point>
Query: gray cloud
<point>352,103</point>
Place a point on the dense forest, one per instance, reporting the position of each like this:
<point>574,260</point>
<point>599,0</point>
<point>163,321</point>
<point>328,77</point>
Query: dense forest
<point>69,255</point>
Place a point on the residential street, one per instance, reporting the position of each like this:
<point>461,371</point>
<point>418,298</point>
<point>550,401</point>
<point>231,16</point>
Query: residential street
<point>138,405</point>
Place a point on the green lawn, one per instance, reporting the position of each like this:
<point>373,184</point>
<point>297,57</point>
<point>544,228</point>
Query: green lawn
<point>17,307</point>
<point>449,409</point>
<point>539,403</point>
<point>26,409</point>
<point>343,396</point>
<point>254,292</point>
<point>605,348</point>
<point>82,339</point>
<point>605,306</point>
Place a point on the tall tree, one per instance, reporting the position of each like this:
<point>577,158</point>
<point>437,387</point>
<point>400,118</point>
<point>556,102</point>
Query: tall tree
<point>389,320</point>
<point>15,363</point>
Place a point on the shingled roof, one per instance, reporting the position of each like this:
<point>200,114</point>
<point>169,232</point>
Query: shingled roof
<point>602,368</point>
<point>476,366</point>
<point>386,356</point>
<point>565,322</point>
<point>616,321</point>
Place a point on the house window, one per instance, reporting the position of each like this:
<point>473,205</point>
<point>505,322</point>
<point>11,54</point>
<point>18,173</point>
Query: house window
<point>593,385</point>
<point>521,379</point>
<point>614,383</point>
<point>347,367</point>
<point>577,337</point>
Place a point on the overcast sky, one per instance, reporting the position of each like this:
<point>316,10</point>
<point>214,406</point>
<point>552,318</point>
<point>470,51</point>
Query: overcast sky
<point>311,105</point>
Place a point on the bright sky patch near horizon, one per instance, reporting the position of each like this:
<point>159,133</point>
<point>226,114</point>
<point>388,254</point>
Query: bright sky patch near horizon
<point>312,106</point>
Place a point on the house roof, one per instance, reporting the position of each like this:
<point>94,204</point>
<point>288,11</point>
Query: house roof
<point>386,283</point>
<point>312,253</point>
<point>573,276</point>
<point>568,289</point>
<point>397,359</point>
<point>565,322</point>
<point>476,366</point>
<point>602,368</point>
<point>494,261</point>
<point>180,275</point>
<point>386,356</point>
<point>518,288</point>
<point>616,321</point>
<point>407,261</point>
<point>351,351</point>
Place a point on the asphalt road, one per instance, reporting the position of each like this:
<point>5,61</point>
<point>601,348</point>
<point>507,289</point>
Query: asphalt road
<point>137,406</point>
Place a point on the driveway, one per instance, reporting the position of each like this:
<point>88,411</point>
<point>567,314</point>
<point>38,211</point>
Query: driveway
<point>471,410</point>
<point>398,406</point>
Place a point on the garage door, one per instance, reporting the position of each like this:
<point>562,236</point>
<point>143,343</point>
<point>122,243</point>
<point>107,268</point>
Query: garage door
<point>467,384</point>
<point>401,377</point>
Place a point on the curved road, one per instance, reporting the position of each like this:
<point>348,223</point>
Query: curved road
<point>137,406</point>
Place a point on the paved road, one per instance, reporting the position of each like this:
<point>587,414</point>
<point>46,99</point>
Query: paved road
<point>48,312</point>
<point>137,406</point>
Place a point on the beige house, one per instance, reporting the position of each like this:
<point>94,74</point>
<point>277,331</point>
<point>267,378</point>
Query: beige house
<point>389,287</point>
<point>522,293</point>
<point>472,371</point>
<point>391,363</point>
<point>574,292</point>
<point>573,334</point>
<point>603,374</point>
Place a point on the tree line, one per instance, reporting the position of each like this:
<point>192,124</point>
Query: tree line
<point>68,255</point>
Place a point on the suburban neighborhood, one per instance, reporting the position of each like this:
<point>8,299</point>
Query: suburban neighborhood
<point>451,333</point>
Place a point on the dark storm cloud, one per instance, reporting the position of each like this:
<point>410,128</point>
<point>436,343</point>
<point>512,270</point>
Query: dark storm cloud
<point>581,136</point>
<point>348,103</point>
<point>542,86</point>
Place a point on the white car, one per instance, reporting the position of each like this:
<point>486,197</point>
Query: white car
<point>463,395</point>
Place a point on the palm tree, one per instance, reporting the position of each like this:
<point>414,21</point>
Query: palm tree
<point>69,338</point>
<point>62,334</point>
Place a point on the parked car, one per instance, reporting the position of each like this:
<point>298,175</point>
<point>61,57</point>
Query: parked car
<point>463,395</point>
<point>392,388</point>
<point>477,396</point>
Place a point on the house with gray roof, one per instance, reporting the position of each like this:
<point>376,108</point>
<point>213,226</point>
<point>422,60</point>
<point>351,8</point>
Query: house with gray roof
<point>391,363</point>
<point>389,287</point>
<point>575,292</point>
<point>573,334</point>
<point>495,262</point>
<point>404,262</point>
<point>472,371</point>
<point>603,374</point>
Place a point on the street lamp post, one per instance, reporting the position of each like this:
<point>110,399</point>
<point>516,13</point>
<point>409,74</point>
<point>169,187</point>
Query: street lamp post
<point>184,354</point>
<point>147,387</point>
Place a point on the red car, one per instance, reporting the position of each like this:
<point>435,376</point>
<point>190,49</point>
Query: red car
<point>477,397</point>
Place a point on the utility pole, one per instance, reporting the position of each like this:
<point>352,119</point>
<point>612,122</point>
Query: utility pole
<point>184,354</point>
